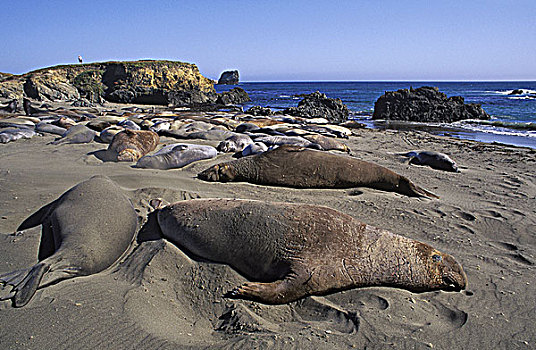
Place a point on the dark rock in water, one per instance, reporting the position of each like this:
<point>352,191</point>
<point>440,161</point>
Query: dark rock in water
<point>258,110</point>
<point>425,104</point>
<point>516,92</point>
<point>229,77</point>
<point>318,105</point>
<point>234,96</point>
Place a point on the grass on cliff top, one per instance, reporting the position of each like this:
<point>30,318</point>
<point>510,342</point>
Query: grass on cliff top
<point>97,65</point>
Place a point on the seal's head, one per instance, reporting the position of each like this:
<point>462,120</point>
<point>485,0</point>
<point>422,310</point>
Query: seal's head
<point>219,172</point>
<point>443,272</point>
<point>128,155</point>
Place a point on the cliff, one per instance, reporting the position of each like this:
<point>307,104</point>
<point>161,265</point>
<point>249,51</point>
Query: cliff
<point>144,81</point>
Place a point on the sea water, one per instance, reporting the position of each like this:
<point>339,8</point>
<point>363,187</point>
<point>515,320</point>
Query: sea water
<point>513,117</point>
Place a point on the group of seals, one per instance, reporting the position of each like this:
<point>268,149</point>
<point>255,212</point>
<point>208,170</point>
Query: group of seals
<point>296,250</point>
<point>300,167</point>
<point>289,250</point>
<point>84,231</point>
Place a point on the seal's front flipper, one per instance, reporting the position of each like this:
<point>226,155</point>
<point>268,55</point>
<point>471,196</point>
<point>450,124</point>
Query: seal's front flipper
<point>20,286</point>
<point>37,218</point>
<point>278,292</point>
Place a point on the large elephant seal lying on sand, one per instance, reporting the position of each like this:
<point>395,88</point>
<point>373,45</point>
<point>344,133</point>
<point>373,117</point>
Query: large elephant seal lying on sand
<point>305,168</point>
<point>176,155</point>
<point>84,231</point>
<point>130,145</point>
<point>295,250</point>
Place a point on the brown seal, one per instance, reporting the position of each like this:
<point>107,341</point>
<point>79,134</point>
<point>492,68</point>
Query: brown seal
<point>296,250</point>
<point>306,168</point>
<point>131,145</point>
<point>84,231</point>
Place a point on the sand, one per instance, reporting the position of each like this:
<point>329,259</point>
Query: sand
<point>158,297</point>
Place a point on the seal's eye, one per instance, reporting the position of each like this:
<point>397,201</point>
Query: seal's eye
<point>437,258</point>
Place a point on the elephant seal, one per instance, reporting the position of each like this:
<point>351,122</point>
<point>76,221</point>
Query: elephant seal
<point>296,250</point>
<point>235,143</point>
<point>306,168</point>
<point>76,134</point>
<point>328,143</point>
<point>84,231</point>
<point>131,145</point>
<point>254,148</point>
<point>11,107</point>
<point>176,155</point>
<point>297,141</point>
<point>13,134</point>
<point>434,160</point>
<point>50,128</point>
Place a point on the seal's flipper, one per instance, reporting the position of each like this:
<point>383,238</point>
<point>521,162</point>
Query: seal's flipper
<point>37,218</point>
<point>278,292</point>
<point>408,188</point>
<point>22,284</point>
<point>421,192</point>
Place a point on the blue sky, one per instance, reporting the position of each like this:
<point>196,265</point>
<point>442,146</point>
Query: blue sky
<point>282,40</point>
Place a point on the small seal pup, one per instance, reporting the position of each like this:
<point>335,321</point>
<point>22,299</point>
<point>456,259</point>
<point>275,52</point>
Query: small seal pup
<point>130,145</point>
<point>84,231</point>
<point>433,159</point>
<point>306,168</point>
<point>295,250</point>
<point>176,155</point>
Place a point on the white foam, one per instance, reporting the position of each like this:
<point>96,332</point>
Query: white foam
<point>522,98</point>
<point>524,92</point>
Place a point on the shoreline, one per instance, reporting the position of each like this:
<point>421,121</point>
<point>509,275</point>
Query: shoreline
<point>454,131</point>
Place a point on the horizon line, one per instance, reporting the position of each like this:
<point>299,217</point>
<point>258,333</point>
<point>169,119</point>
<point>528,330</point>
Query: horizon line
<point>393,81</point>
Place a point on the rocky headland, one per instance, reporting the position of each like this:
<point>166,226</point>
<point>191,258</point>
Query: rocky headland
<point>425,104</point>
<point>143,82</point>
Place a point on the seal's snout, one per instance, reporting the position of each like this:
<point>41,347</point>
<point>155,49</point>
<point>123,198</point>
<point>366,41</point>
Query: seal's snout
<point>211,174</point>
<point>454,277</point>
<point>455,283</point>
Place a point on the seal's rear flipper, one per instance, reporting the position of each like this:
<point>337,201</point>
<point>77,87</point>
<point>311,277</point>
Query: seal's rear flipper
<point>20,286</point>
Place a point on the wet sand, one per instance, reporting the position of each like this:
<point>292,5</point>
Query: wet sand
<point>158,297</point>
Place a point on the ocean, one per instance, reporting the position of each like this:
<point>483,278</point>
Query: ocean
<point>513,117</point>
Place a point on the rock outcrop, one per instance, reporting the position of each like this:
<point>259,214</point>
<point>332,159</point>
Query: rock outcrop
<point>144,82</point>
<point>318,105</point>
<point>235,96</point>
<point>229,77</point>
<point>425,104</point>
<point>259,110</point>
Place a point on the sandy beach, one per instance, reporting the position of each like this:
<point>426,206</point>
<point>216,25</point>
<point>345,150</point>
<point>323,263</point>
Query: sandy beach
<point>158,297</point>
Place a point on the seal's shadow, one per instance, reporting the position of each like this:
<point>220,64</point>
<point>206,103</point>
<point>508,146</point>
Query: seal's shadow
<point>104,155</point>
